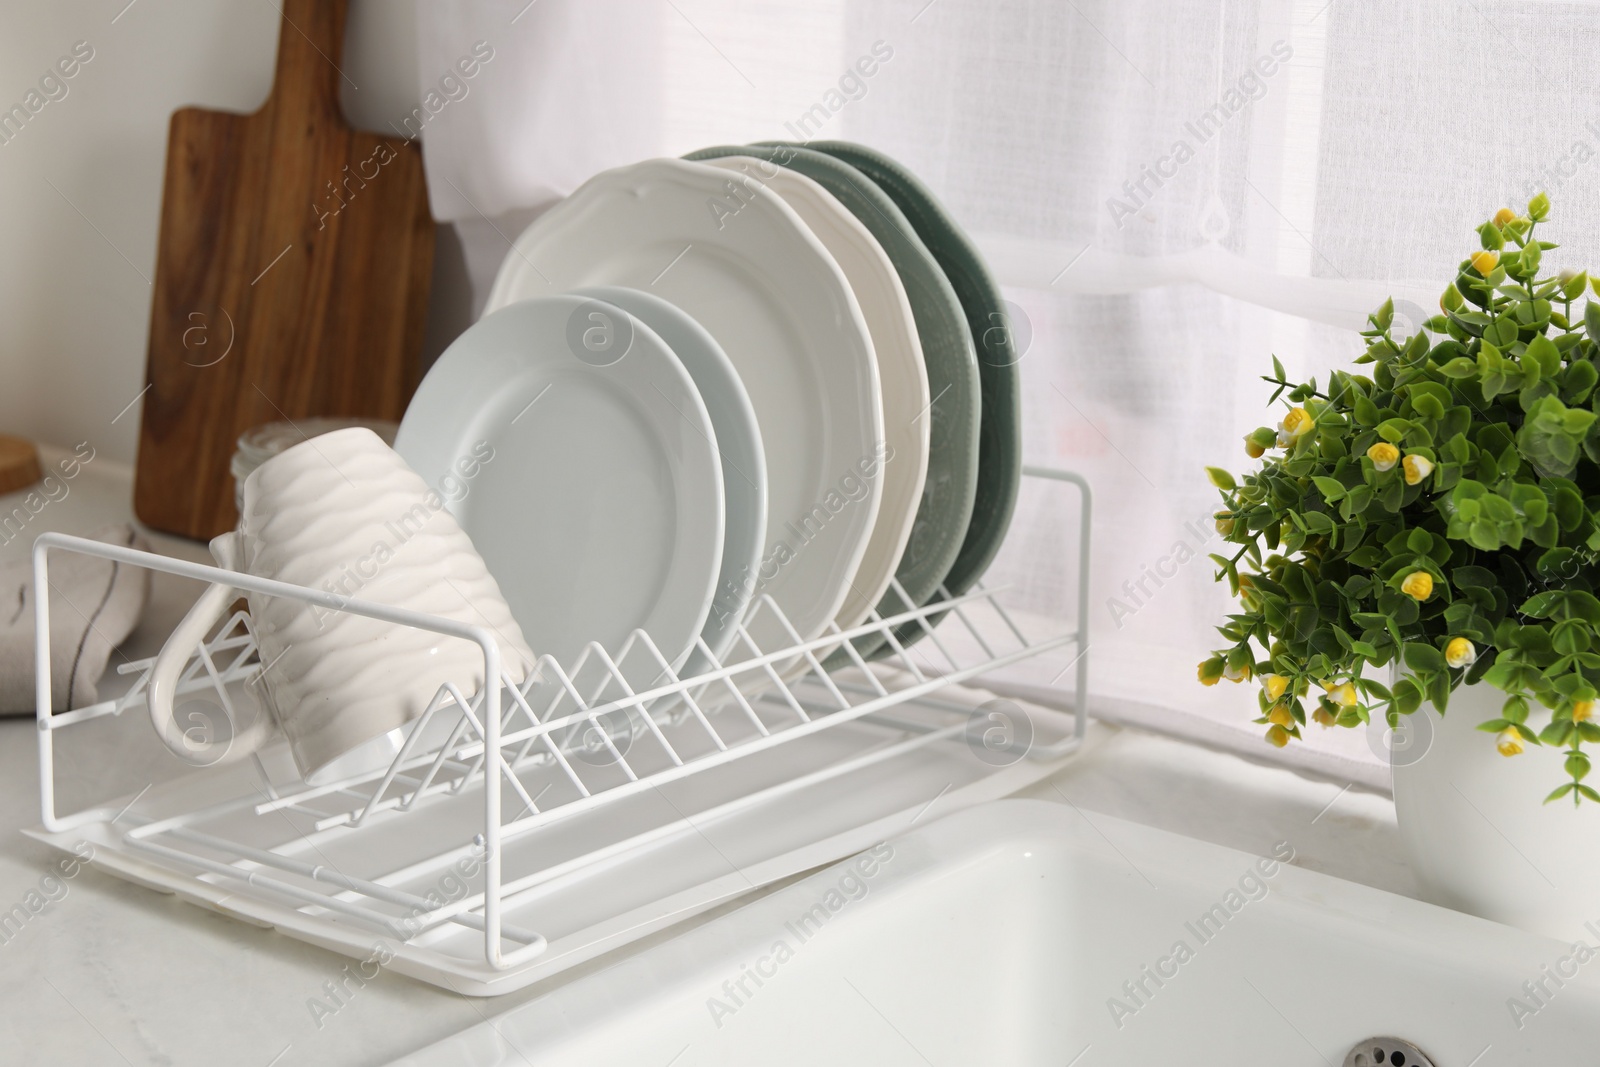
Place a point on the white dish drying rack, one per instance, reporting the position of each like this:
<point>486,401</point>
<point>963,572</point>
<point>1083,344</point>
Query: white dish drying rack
<point>632,804</point>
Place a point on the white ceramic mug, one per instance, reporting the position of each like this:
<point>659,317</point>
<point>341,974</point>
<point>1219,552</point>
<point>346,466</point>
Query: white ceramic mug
<point>343,513</point>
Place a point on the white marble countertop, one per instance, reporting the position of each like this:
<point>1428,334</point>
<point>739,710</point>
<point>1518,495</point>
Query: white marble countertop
<point>112,973</point>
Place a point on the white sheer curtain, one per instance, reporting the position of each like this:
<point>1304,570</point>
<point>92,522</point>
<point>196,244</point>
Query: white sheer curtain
<point>1169,191</point>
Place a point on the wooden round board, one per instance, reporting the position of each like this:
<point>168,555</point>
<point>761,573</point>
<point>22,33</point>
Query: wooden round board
<point>19,464</point>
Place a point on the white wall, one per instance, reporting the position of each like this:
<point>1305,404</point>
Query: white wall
<point>75,265</point>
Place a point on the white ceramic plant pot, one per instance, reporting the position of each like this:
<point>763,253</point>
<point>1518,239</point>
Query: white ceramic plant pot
<point>1477,831</point>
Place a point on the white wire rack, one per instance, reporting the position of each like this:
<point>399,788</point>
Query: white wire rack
<point>489,810</point>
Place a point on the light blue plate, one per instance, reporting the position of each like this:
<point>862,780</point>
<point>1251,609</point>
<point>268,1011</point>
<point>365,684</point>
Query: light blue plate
<point>738,440</point>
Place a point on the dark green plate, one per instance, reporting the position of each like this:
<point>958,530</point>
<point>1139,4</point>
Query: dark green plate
<point>1000,432</point>
<point>939,531</point>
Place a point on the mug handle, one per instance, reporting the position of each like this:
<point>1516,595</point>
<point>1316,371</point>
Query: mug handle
<point>174,655</point>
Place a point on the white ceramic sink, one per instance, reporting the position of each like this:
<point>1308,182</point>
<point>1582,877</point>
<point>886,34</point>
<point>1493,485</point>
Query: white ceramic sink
<point>1020,932</point>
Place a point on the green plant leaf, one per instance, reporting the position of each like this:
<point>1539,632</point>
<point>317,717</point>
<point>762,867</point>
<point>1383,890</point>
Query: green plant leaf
<point>1366,412</point>
<point>1332,489</point>
<point>1394,430</point>
<point>1578,381</point>
<point>1407,696</point>
<point>1542,352</point>
<point>1420,657</point>
<point>1556,734</point>
<point>1541,605</point>
<point>1561,791</point>
<point>1502,331</point>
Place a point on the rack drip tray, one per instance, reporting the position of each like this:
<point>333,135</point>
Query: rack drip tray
<point>408,884</point>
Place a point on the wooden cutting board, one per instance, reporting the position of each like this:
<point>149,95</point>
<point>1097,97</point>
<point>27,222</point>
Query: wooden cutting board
<point>291,279</point>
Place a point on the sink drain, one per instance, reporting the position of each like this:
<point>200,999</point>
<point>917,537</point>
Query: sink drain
<point>1386,1052</point>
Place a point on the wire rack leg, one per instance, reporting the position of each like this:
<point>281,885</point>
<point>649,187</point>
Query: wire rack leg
<point>1080,695</point>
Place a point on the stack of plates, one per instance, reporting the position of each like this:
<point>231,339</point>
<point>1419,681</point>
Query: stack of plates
<point>702,383</point>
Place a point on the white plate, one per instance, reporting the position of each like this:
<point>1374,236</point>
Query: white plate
<point>744,465</point>
<point>590,484</point>
<point>901,371</point>
<point>749,271</point>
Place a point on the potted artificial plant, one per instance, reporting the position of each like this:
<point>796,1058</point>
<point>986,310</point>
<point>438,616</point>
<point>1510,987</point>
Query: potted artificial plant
<point>1420,546</point>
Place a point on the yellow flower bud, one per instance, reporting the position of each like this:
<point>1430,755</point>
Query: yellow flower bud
<point>1281,716</point>
<point>1277,736</point>
<point>1238,674</point>
<point>1460,652</point>
<point>1294,425</point>
<point>1503,216</point>
<point>1224,523</point>
<point>1210,671</point>
<point>1383,455</point>
<point>1343,694</point>
<point>1275,685</point>
<point>1418,585</point>
<point>1258,440</point>
<point>1485,261</point>
<point>1416,468</point>
<point>1323,717</point>
<point>1583,711</point>
<point>1510,742</point>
